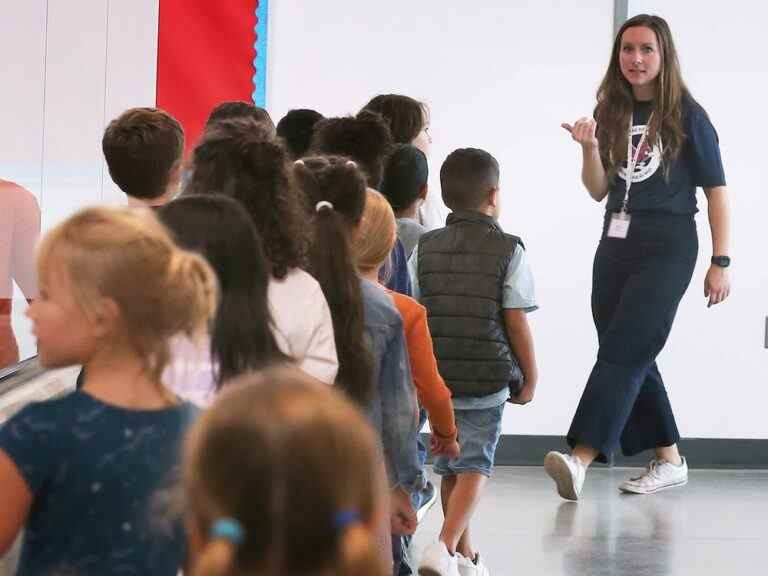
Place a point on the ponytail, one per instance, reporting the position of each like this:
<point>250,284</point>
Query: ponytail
<point>217,559</point>
<point>189,301</point>
<point>359,553</point>
<point>331,263</point>
<point>221,230</point>
<point>336,188</point>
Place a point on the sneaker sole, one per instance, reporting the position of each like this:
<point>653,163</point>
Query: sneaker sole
<point>561,474</point>
<point>631,490</point>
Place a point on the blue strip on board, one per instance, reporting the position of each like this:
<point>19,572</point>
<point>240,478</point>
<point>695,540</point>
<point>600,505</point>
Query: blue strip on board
<point>260,63</point>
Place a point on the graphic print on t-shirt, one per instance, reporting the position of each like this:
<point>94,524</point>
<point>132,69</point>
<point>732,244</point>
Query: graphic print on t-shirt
<point>648,159</point>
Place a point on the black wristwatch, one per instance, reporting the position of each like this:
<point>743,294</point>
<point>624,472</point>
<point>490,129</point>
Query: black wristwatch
<point>722,261</point>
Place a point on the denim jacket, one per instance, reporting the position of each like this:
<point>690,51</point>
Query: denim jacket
<point>393,410</point>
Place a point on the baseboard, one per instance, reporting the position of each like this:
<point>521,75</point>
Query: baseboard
<point>710,453</point>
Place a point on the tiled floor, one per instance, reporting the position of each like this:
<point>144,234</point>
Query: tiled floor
<point>717,525</point>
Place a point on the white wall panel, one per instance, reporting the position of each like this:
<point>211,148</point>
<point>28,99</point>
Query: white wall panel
<point>74,106</point>
<point>131,70</point>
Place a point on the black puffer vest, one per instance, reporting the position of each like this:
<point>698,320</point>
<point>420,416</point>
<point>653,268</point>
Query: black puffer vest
<point>461,271</point>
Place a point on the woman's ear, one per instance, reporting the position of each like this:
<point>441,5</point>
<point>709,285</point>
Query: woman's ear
<point>423,192</point>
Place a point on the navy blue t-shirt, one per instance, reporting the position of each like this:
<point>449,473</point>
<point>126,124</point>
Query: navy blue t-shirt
<point>698,164</point>
<point>103,480</point>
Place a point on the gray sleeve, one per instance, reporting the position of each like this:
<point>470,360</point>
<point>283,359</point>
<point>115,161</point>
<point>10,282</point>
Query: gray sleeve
<point>519,287</point>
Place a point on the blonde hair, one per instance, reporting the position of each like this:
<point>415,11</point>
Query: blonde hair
<point>302,454</point>
<point>126,255</point>
<point>377,233</point>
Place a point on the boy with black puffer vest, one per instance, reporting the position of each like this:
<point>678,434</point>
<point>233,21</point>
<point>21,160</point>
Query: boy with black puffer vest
<point>475,282</point>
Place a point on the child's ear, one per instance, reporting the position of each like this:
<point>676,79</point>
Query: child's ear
<point>423,192</point>
<point>176,172</point>
<point>105,317</point>
<point>493,197</point>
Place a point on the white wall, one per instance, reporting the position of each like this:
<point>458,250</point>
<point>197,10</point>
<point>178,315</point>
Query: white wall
<point>69,67</point>
<point>502,76</point>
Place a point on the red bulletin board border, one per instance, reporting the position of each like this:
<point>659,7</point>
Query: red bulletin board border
<point>205,56</point>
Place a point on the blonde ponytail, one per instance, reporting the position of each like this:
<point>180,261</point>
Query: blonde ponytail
<point>358,553</point>
<point>191,291</point>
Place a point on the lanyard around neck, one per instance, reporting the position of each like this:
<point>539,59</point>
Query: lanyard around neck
<point>633,158</point>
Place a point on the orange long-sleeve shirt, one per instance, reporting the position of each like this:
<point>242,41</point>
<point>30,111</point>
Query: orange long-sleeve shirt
<point>433,394</point>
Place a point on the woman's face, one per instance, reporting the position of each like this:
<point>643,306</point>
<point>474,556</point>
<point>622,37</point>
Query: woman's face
<point>423,139</point>
<point>640,60</point>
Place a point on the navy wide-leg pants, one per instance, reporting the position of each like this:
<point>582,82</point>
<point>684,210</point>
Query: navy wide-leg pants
<point>637,284</point>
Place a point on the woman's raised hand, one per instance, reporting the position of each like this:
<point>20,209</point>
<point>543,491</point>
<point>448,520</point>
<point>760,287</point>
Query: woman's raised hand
<point>583,131</point>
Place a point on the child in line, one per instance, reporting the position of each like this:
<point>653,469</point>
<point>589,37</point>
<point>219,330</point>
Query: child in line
<point>239,159</point>
<point>477,287</point>
<point>144,152</point>
<point>308,495</point>
<point>238,109</point>
<point>296,129</point>
<point>241,337</point>
<point>144,149</point>
<point>405,186</point>
<point>336,187</point>
<point>365,139</point>
<point>409,121</point>
<point>373,247</point>
<point>114,289</point>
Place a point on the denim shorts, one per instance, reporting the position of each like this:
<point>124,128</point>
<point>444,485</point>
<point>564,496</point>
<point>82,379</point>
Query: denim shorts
<point>479,432</point>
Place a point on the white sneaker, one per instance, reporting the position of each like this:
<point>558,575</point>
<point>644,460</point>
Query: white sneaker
<point>568,473</point>
<point>659,475</point>
<point>474,567</point>
<point>437,561</point>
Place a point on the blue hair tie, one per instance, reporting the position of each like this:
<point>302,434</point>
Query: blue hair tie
<point>346,518</point>
<point>227,529</point>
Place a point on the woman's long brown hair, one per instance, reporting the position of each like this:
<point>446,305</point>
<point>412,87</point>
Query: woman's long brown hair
<point>615,100</point>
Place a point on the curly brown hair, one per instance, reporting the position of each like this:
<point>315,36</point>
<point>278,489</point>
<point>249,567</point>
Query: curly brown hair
<point>366,138</point>
<point>240,159</point>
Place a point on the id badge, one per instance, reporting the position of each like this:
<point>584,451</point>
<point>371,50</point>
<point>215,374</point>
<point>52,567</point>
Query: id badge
<point>619,226</point>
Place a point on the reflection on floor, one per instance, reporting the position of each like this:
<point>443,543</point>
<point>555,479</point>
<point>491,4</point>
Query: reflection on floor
<point>717,525</point>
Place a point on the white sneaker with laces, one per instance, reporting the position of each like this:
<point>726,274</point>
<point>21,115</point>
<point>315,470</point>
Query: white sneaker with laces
<point>437,561</point>
<point>568,473</point>
<point>474,567</point>
<point>659,475</point>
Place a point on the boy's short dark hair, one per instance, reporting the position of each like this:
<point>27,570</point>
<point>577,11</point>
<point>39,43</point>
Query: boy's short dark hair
<point>240,109</point>
<point>466,178</point>
<point>405,174</point>
<point>296,128</point>
<point>142,146</point>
